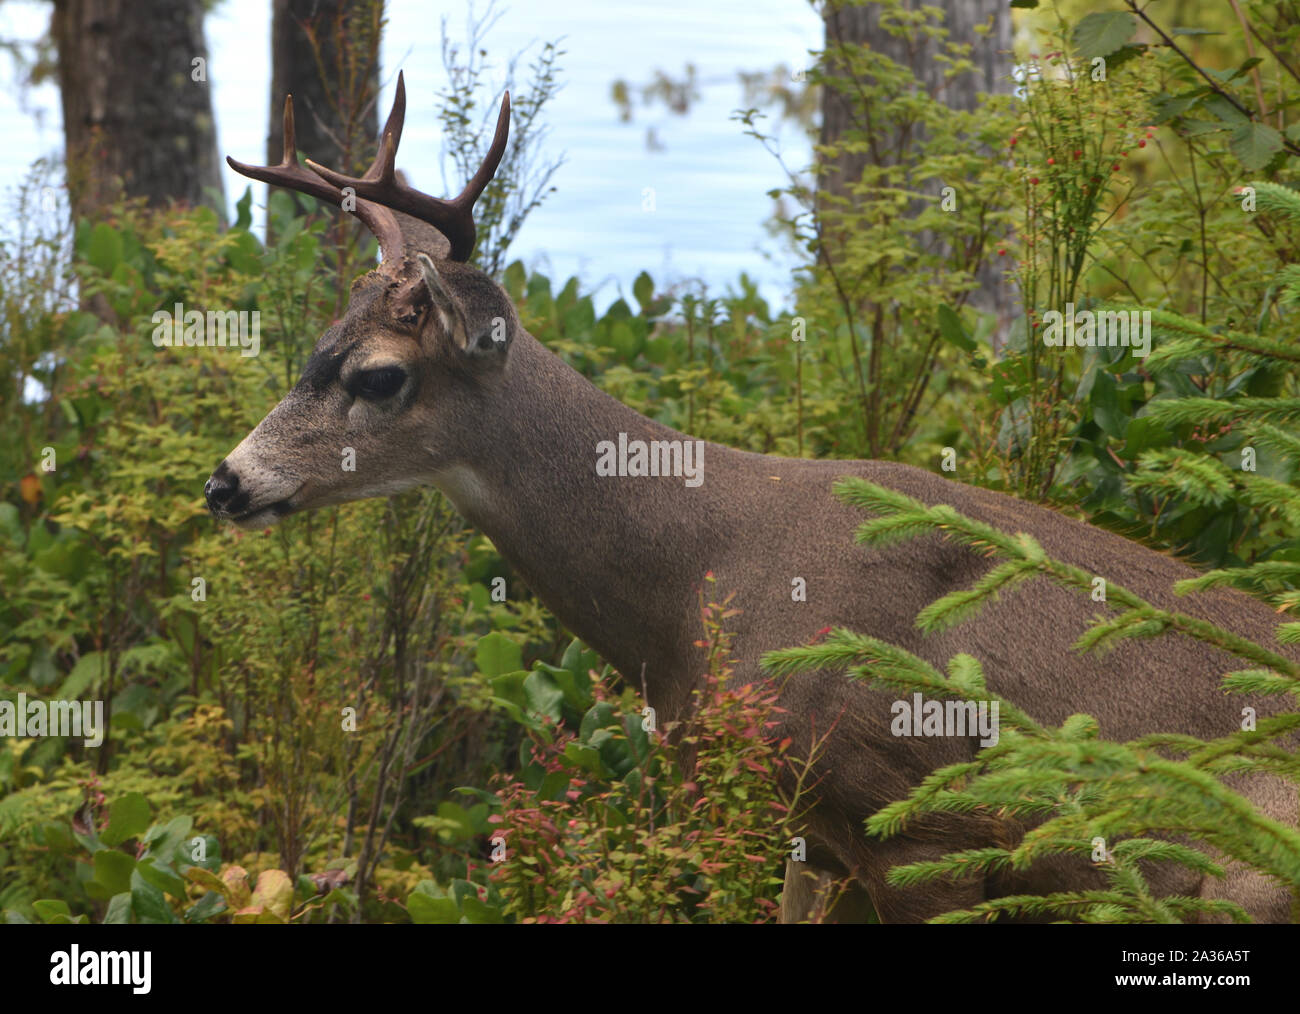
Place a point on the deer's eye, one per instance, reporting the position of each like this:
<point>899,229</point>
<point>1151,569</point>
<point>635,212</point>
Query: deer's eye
<point>381,383</point>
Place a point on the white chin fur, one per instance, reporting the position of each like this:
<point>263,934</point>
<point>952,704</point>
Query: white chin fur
<point>256,522</point>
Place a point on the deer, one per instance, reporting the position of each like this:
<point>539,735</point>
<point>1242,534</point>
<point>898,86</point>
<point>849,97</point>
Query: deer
<point>431,379</point>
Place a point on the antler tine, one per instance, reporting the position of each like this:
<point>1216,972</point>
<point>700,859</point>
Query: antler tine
<point>292,176</point>
<point>454,218</point>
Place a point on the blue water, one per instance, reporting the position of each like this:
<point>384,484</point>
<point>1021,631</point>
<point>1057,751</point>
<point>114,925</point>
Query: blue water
<point>709,181</point>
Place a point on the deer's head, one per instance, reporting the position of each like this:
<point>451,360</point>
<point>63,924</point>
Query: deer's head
<point>386,388</point>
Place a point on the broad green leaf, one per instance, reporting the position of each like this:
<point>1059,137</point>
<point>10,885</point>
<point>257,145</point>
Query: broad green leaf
<point>1103,32</point>
<point>113,870</point>
<point>128,817</point>
<point>161,877</point>
<point>206,907</point>
<point>479,914</point>
<point>48,910</point>
<point>544,697</point>
<point>950,328</point>
<point>85,673</point>
<point>1254,143</point>
<point>1106,411</point>
<point>163,839</point>
<point>510,687</point>
<point>497,654</point>
<point>148,902</point>
<point>104,250</point>
<point>643,289</point>
<point>425,910</point>
<point>119,909</point>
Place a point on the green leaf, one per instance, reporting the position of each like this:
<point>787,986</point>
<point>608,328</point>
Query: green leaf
<point>1195,128</point>
<point>1106,411</point>
<point>1024,5</point>
<point>579,659</point>
<point>514,280</point>
<point>148,902</point>
<point>1246,67</point>
<point>624,340</point>
<point>509,686</point>
<point>128,816</point>
<point>48,911</point>
<point>113,870</point>
<point>425,910</point>
<point>951,330</point>
<point>1103,32</point>
<point>1142,435</point>
<point>599,716</point>
<point>544,697</point>
<point>119,909</point>
<point>643,289</point>
<point>83,675</point>
<point>163,839</point>
<point>161,877</point>
<point>479,914</point>
<point>576,688</point>
<point>1225,110</point>
<point>1171,106</point>
<point>104,250</point>
<point>497,655</point>
<point>1254,144</point>
<point>243,210</point>
<point>206,907</point>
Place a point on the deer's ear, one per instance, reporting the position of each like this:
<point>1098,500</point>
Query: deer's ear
<point>446,307</point>
<point>488,341</point>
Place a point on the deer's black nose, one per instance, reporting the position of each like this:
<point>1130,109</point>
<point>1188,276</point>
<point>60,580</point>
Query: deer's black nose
<point>221,489</point>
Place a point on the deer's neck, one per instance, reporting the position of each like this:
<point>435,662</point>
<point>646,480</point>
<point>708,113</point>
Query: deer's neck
<point>618,559</point>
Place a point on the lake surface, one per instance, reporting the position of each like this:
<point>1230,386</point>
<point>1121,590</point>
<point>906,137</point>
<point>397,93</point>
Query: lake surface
<point>709,181</point>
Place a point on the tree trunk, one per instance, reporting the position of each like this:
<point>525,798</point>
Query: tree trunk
<point>991,54</point>
<point>325,54</point>
<point>137,109</point>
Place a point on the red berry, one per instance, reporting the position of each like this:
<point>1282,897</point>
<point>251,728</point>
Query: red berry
<point>1051,161</point>
<point>1142,144</point>
<point>1033,181</point>
<point>1078,154</point>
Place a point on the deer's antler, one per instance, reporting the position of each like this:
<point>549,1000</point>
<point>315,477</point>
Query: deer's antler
<point>454,218</point>
<point>292,176</point>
